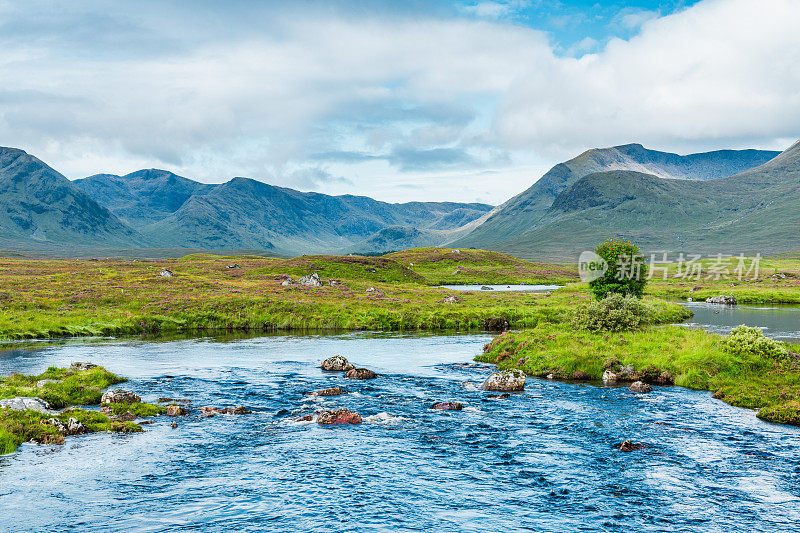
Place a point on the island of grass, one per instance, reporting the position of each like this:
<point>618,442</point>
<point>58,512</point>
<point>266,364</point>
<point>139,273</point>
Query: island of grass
<point>79,385</point>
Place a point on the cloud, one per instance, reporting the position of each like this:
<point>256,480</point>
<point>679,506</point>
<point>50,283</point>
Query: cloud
<point>354,100</point>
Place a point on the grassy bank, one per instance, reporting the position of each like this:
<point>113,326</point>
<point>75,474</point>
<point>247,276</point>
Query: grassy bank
<point>56,298</point>
<point>62,387</point>
<point>696,360</point>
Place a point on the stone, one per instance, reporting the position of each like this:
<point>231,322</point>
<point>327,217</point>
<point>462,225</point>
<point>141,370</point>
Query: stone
<point>312,280</point>
<point>498,396</point>
<point>119,396</point>
<point>287,282</point>
<point>505,381</point>
<point>305,418</point>
<point>235,265</point>
<point>609,376</point>
<point>79,366</point>
<point>239,410</point>
<point>334,391</point>
<point>580,375</point>
<point>486,288</point>
<point>22,403</point>
<point>722,299</point>
<point>629,446</point>
<point>56,423</point>
<point>447,406</point>
<point>338,416</point>
<point>42,382</point>
<point>451,300</point>
<point>175,410</point>
<point>127,416</point>
<point>638,386</point>
<point>76,428</point>
<point>173,425</point>
<point>360,373</point>
<point>165,273</point>
<point>337,363</point>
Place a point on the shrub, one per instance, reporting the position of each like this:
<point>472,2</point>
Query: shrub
<point>752,341</point>
<point>627,271</point>
<point>613,313</point>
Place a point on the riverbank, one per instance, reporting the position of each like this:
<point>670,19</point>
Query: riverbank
<point>693,358</point>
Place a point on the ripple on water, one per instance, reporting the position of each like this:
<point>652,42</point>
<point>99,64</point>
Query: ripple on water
<point>542,460</point>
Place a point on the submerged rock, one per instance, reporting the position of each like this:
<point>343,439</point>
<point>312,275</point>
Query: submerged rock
<point>722,299</point>
<point>333,391</point>
<point>360,373</point>
<point>638,386</point>
<point>212,411</point>
<point>505,381</point>
<point>498,396</point>
<point>312,280</point>
<point>119,396</point>
<point>629,446</point>
<point>338,416</point>
<point>337,363</point>
<point>175,410</point>
<point>448,406</point>
<point>21,403</point>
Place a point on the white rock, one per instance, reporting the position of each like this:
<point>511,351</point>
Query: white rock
<point>21,403</point>
<point>609,377</point>
<point>311,280</point>
<point>165,273</point>
<point>505,380</point>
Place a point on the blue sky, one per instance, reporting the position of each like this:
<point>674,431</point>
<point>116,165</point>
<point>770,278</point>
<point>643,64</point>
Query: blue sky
<point>412,100</point>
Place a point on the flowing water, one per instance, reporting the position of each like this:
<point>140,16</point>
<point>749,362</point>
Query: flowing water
<point>542,460</point>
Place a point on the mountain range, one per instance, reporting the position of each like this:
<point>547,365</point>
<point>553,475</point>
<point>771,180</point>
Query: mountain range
<point>726,201</point>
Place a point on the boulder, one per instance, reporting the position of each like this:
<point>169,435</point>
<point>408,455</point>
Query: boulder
<point>360,373</point>
<point>505,381</point>
<point>175,410</point>
<point>722,299</point>
<point>337,363</point>
<point>312,280</point>
<point>79,366</point>
<point>447,406</point>
<point>629,446</point>
<point>496,323</point>
<point>76,428</point>
<point>638,386</point>
<point>609,376</point>
<point>334,391</point>
<point>42,382</point>
<point>288,281</point>
<point>127,416</point>
<point>119,396</point>
<point>239,410</point>
<point>22,403</point>
<point>165,273</point>
<point>338,416</point>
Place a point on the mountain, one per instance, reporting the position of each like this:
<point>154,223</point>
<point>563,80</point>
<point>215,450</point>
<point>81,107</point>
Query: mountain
<point>40,208</point>
<point>521,213</point>
<point>755,211</point>
<point>172,211</point>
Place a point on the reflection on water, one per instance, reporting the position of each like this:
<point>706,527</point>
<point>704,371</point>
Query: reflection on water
<point>776,320</point>
<point>542,460</point>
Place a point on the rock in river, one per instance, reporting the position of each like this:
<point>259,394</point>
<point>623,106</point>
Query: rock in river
<point>338,416</point>
<point>337,363</point>
<point>333,391</point>
<point>722,299</point>
<point>638,386</point>
<point>505,381</point>
<point>447,406</point>
<point>22,403</point>
<point>175,410</point>
<point>360,373</point>
<point>119,396</point>
<point>629,446</point>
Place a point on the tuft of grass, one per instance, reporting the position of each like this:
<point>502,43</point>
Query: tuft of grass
<point>141,410</point>
<point>82,387</point>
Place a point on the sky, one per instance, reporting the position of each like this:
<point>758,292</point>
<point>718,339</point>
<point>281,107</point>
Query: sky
<point>401,101</point>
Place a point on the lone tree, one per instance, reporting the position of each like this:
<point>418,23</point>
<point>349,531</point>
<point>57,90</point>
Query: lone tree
<point>627,271</point>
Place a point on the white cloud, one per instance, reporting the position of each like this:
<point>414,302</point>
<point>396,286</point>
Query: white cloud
<point>267,94</point>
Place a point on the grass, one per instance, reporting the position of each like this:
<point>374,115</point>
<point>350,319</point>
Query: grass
<point>695,358</point>
<point>76,387</point>
<point>62,298</point>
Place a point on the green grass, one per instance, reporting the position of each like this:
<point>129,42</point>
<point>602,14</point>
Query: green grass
<point>141,410</point>
<point>695,358</point>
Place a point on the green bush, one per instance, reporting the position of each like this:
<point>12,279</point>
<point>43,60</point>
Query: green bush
<point>627,271</point>
<point>613,313</point>
<point>745,340</point>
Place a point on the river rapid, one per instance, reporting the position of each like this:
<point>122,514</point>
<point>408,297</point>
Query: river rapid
<point>542,460</point>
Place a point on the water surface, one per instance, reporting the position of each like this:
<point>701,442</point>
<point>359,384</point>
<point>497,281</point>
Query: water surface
<point>542,460</point>
<point>780,321</point>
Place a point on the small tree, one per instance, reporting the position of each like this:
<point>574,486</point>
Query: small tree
<point>627,271</point>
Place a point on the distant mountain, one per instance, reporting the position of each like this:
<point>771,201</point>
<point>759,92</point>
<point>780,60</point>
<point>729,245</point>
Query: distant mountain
<point>751,212</point>
<point>172,211</point>
<point>40,208</point>
<point>524,212</point>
